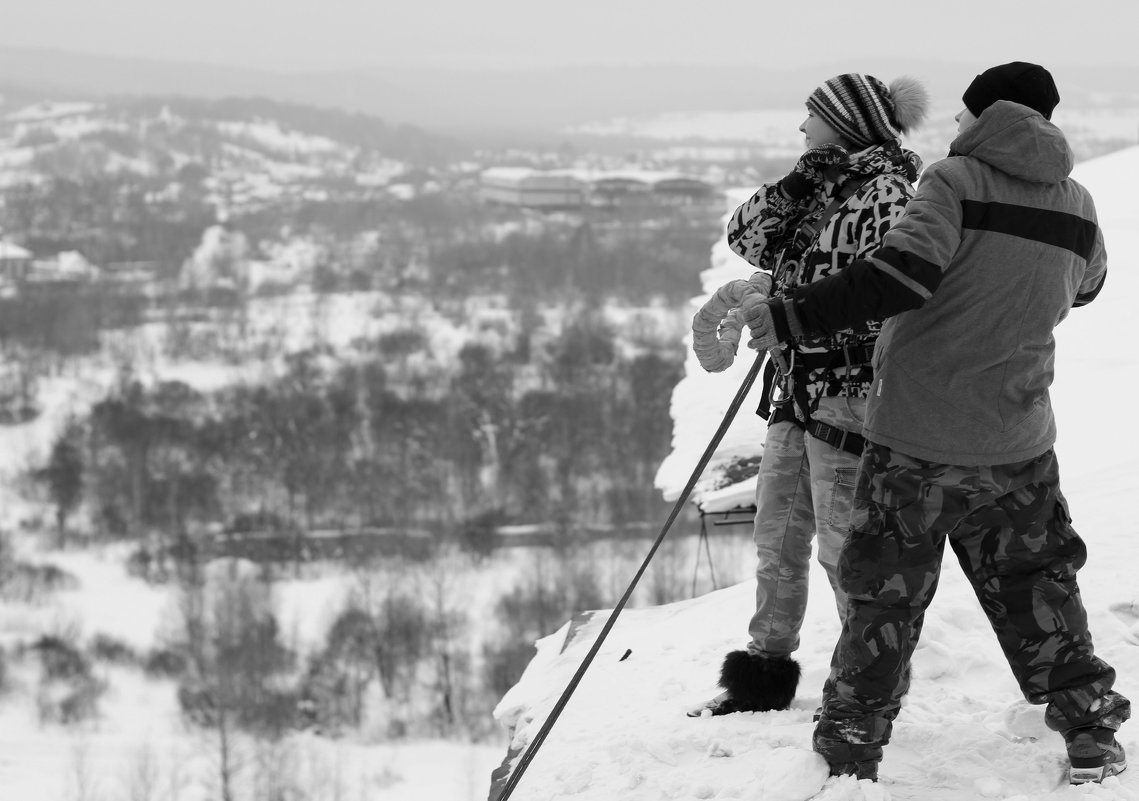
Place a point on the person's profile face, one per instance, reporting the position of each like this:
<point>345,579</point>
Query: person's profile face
<point>819,132</point>
<point>964,119</point>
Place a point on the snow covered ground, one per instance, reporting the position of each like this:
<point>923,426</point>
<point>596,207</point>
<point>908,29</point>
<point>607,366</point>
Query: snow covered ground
<point>964,731</point>
<point>141,749</point>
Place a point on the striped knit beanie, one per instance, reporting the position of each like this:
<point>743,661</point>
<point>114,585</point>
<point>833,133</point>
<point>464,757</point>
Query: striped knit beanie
<point>867,112</point>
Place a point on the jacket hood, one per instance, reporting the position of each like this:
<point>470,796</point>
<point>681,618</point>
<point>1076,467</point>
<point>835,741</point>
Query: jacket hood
<point>1017,140</point>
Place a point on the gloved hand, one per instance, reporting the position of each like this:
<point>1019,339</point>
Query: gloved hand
<point>769,326</point>
<point>756,314</point>
<point>761,282</point>
<point>808,170</point>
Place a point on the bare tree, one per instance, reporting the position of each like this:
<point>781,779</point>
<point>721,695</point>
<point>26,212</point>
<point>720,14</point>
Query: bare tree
<point>236,659</point>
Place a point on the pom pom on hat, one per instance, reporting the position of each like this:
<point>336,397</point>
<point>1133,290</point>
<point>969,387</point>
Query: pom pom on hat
<point>867,112</point>
<point>911,102</point>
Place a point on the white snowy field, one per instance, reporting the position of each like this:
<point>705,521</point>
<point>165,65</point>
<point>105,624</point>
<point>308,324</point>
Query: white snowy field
<point>140,748</point>
<point>964,731</point>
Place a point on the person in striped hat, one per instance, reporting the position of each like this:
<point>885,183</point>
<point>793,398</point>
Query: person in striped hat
<point>848,187</point>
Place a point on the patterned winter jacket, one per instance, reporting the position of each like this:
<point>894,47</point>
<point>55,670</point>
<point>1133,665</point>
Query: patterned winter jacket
<point>997,245</point>
<point>766,231</point>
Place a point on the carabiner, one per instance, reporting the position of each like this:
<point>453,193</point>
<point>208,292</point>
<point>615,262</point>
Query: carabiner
<point>784,383</point>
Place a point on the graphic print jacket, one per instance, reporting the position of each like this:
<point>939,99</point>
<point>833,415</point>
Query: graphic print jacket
<point>764,230</point>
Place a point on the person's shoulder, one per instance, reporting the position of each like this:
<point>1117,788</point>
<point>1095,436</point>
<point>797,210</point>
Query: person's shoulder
<point>953,164</point>
<point>1082,195</point>
<point>883,187</point>
<point>1078,187</point>
<point>954,170</point>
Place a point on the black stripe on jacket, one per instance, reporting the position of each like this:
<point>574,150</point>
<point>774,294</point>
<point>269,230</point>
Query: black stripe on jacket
<point>1049,227</point>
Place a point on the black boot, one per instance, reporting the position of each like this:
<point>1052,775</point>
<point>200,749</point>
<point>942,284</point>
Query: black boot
<point>859,770</point>
<point>759,683</point>
<point>1094,754</point>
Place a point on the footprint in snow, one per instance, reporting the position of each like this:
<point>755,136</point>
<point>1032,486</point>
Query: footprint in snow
<point>1129,615</point>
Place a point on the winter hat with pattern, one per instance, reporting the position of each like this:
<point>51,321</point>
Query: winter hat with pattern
<point>867,112</point>
<point>1028,84</point>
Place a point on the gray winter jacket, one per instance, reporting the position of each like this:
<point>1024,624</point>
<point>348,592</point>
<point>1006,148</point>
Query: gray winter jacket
<point>995,247</point>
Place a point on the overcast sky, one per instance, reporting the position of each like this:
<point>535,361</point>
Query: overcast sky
<point>303,35</point>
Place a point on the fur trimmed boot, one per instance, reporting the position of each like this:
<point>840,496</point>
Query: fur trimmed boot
<point>759,683</point>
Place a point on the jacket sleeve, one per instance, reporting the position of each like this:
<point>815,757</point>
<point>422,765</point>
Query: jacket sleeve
<point>901,275</point>
<point>760,223</point>
<point>1096,273</point>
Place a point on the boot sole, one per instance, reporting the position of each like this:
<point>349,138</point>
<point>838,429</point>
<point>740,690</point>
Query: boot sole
<point>1087,775</point>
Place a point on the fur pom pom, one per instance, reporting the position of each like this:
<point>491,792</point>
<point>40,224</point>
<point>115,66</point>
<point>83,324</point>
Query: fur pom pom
<point>911,102</point>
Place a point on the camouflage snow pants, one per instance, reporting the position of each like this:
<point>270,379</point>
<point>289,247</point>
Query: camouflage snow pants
<point>1009,527</point>
<point>806,487</point>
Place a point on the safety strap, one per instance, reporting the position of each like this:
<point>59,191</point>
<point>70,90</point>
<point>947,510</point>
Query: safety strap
<point>809,230</point>
<point>853,356</point>
<point>837,437</point>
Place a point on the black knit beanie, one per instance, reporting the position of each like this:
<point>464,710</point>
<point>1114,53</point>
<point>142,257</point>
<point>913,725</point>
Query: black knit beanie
<point>1028,84</point>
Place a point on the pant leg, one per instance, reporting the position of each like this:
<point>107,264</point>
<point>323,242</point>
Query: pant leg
<point>833,475</point>
<point>889,568</point>
<point>1021,555</point>
<point>784,525</point>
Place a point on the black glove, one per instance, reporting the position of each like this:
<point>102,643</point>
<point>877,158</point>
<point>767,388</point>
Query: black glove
<point>808,170</point>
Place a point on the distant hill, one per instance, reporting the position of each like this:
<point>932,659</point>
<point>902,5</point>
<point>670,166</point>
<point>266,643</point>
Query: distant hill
<point>349,128</point>
<point>34,73</point>
<point>70,171</point>
<point>465,101</point>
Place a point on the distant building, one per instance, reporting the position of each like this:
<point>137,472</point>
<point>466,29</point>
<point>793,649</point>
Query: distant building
<point>608,189</point>
<point>619,187</point>
<point>132,277</point>
<point>682,189</point>
<point>570,189</point>
<point>68,267</point>
<point>15,262</point>
<point>536,189</point>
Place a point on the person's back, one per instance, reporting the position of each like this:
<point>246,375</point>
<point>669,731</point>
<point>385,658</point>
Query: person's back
<point>1022,246</point>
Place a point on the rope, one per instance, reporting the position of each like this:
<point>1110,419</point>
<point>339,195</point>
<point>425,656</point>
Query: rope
<point>540,737</point>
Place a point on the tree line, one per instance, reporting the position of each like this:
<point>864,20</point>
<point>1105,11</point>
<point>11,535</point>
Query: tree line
<point>573,438</point>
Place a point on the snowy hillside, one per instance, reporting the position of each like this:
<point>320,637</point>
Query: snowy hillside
<point>238,154</point>
<point>964,731</point>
